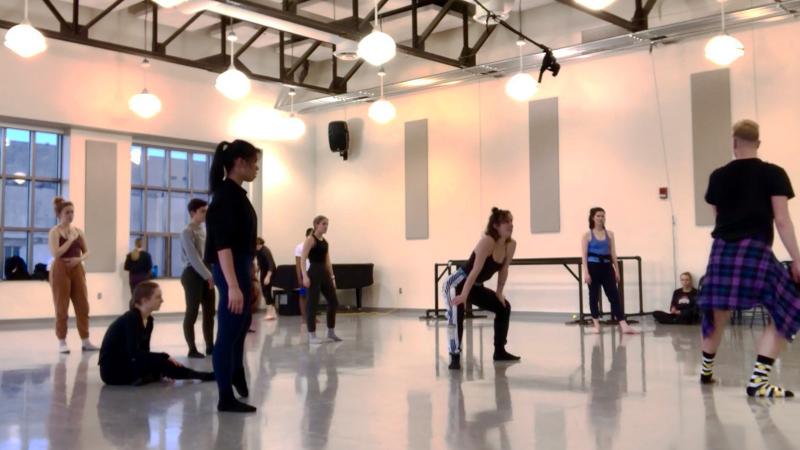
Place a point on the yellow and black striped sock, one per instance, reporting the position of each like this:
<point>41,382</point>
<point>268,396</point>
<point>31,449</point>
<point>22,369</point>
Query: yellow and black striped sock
<point>707,370</point>
<point>759,385</point>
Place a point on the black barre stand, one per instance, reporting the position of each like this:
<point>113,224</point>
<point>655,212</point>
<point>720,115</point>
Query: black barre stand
<point>441,270</point>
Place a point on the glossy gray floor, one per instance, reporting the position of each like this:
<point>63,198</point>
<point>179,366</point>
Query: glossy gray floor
<point>387,386</point>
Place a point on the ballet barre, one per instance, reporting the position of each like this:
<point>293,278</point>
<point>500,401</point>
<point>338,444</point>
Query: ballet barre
<point>574,265</point>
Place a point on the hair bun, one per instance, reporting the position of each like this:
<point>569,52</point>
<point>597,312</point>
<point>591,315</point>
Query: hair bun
<point>58,200</point>
<point>495,210</point>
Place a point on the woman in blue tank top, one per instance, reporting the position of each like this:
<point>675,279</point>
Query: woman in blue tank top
<point>493,254</point>
<point>600,270</point>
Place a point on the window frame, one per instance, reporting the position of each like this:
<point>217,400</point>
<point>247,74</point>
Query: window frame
<point>31,179</point>
<point>165,272</point>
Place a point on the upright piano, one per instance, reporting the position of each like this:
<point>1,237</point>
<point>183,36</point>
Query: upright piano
<point>348,276</point>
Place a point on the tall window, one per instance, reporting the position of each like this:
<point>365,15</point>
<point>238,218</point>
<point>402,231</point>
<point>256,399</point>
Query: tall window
<point>163,180</point>
<point>32,166</point>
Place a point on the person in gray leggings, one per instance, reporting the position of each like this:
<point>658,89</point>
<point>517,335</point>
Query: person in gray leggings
<point>198,284</point>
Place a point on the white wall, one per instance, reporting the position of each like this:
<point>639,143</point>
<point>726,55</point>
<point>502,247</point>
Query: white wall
<point>611,155</point>
<point>84,92</point>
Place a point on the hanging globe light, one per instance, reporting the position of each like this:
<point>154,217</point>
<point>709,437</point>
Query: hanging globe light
<point>382,111</point>
<point>145,104</point>
<point>377,48</point>
<point>25,40</point>
<point>521,87</point>
<point>595,4</point>
<point>233,84</point>
<point>723,49</point>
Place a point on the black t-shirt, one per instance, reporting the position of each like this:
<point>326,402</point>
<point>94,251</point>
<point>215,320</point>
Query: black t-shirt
<point>684,301</point>
<point>742,191</point>
<point>127,342</point>
<point>231,223</point>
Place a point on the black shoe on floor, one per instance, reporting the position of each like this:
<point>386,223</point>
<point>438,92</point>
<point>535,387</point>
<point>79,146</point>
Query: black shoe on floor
<point>455,361</point>
<point>235,406</point>
<point>502,355</point>
<point>195,354</point>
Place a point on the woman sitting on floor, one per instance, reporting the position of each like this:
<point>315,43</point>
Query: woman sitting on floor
<point>125,356</point>
<point>683,308</point>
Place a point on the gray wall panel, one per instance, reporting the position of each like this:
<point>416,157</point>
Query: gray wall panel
<point>543,158</point>
<point>101,206</point>
<point>711,133</point>
<point>416,179</point>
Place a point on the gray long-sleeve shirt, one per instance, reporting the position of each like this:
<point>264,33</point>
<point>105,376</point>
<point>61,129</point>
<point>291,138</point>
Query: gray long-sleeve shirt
<point>193,241</point>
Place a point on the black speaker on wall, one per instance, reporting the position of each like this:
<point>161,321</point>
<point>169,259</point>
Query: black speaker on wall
<point>339,137</point>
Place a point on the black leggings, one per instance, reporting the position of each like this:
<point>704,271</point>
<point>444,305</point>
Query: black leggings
<point>675,319</point>
<point>147,369</point>
<point>486,299</point>
<point>321,283</point>
<point>267,291</point>
<point>197,293</point>
<point>603,277</point>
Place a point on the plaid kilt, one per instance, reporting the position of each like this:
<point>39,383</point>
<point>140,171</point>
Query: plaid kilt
<point>743,274</point>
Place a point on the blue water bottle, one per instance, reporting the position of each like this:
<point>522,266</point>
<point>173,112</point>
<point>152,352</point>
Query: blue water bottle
<point>154,271</point>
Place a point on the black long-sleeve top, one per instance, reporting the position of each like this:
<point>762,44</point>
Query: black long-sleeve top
<point>231,223</point>
<point>143,265</point>
<point>266,263</point>
<point>127,342</point>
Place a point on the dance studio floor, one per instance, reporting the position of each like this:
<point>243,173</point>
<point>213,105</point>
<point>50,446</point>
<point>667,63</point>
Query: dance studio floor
<point>387,387</point>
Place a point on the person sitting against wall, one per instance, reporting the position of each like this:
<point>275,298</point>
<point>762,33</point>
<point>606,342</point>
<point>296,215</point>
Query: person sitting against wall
<point>683,308</point>
<point>125,356</point>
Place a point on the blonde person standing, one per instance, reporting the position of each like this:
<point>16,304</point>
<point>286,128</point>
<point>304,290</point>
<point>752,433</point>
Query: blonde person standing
<point>67,276</point>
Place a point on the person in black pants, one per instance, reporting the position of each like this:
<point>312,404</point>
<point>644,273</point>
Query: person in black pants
<point>266,267</point>
<point>125,356</point>
<point>493,254</point>
<point>683,308</point>
<point>319,279</point>
<point>599,256</point>
<point>198,284</point>
<point>231,224</point>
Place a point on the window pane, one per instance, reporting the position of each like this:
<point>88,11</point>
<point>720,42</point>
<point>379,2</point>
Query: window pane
<point>18,152</point>
<point>15,203</point>
<point>137,166</point>
<point>157,209</point>
<point>15,245</point>
<point>156,246</point>
<point>179,169</point>
<point>137,210</point>
<point>46,155</point>
<point>200,171</point>
<point>43,194</point>
<point>176,257</point>
<point>41,251</point>
<point>156,167</point>
<point>178,214</point>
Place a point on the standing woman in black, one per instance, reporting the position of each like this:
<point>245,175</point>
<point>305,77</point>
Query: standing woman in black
<point>319,279</point>
<point>230,249</point>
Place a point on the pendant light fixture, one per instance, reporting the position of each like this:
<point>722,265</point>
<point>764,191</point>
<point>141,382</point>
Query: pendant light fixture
<point>723,49</point>
<point>294,127</point>
<point>522,86</point>
<point>377,48</point>
<point>232,83</point>
<point>145,104</point>
<point>382,111</point>
<point>595,5</point>
<point>25,40</point>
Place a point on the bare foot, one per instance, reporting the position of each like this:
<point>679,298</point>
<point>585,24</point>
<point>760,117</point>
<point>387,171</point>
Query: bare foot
<point>629,330</point>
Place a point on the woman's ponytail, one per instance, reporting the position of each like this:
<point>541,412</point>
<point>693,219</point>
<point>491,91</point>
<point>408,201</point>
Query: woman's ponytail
<point>225,156</point>
<point>217,173</point>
